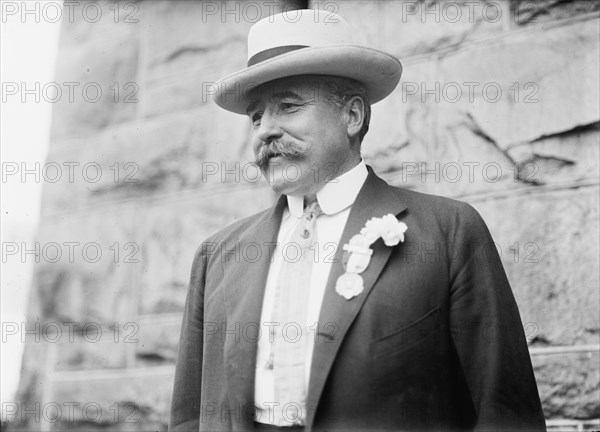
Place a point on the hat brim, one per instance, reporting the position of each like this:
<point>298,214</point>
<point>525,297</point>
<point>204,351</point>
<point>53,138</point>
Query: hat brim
<point>378,71</point>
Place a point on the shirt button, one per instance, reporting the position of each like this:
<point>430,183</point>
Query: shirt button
<point>269,363</point>
<point>306,234</point>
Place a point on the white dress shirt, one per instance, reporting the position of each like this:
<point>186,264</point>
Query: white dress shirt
<point>335,200</point>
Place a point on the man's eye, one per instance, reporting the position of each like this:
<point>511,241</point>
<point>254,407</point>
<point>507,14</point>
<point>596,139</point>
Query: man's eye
<point>256,118</point>
<point>287,106</point>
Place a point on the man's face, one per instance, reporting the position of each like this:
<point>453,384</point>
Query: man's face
<point>299,138</point>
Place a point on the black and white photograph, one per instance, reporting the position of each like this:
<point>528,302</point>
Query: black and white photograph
<point>297,216</point>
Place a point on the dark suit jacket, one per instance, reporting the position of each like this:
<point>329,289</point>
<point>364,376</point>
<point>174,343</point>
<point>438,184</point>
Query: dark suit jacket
<point>434,341</point>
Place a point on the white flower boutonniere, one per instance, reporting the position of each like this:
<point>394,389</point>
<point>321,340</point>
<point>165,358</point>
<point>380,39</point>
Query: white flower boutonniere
<point>387,227</point>
<point>350,284</point>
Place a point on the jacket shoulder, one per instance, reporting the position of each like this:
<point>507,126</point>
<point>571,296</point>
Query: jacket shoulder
<point>230,233</point>
<point>452,217</point>
<point>429,202</point>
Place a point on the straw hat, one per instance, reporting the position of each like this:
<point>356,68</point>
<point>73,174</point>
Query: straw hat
<point>306,42</point>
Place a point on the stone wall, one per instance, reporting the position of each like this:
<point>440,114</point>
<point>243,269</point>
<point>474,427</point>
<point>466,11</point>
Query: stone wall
<point>498,106</point>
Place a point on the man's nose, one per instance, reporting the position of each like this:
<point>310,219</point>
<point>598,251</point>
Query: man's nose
<point>269,130</point>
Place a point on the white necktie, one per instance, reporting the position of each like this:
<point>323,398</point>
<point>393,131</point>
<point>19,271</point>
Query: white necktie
<point>290,312</point>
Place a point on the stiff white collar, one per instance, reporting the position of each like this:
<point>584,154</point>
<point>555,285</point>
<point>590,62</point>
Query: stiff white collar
<point>336,195</point>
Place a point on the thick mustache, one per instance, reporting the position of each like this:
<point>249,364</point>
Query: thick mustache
<point>286,149</point>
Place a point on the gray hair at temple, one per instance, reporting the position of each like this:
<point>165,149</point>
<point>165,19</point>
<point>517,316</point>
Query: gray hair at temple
<point>341,90</point>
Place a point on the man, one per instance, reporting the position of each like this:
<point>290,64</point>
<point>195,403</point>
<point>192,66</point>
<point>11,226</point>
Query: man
<point>358,305</point>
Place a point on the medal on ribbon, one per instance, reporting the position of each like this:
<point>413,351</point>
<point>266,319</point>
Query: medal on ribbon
<point>357,252</point>
<point>349,285</point>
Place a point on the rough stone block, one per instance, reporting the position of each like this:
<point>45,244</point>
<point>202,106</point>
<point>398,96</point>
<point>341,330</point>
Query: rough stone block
<point>191,45</point>
<point>123,400</point>
<point>96,75</point>
<point>527,85</point>
<point>85,267</point>
<point>569,385</point>
<point>173,232</point>
<point>182,35</point>
<point>413,147</point>
<point>570,156</point>
<point>548,242</point>
<point>187,89</point>
<point>99,347</point>
<point>448,137</point>
<point>131,161</point>
<point>33,377</point>
<point>158,339</point>
<point>415,27</point>
<point>541,12</point>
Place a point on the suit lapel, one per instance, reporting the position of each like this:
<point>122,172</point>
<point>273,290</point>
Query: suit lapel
<point>244,290</point>
<point>375,199</point>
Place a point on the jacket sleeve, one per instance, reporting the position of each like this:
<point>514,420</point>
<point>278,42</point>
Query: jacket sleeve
<point>185,405</point>
<point>488,333</point>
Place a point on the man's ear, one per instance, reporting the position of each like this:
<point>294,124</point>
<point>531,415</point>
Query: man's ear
<point>355,115</point>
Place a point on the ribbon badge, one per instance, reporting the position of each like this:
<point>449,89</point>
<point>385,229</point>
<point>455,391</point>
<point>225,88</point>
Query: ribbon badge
<point>350,284</point>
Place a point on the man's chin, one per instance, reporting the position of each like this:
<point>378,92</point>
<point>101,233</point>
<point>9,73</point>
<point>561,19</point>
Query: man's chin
<point>284,186</point>
<point>286,177</point>
<point>280,186</point>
